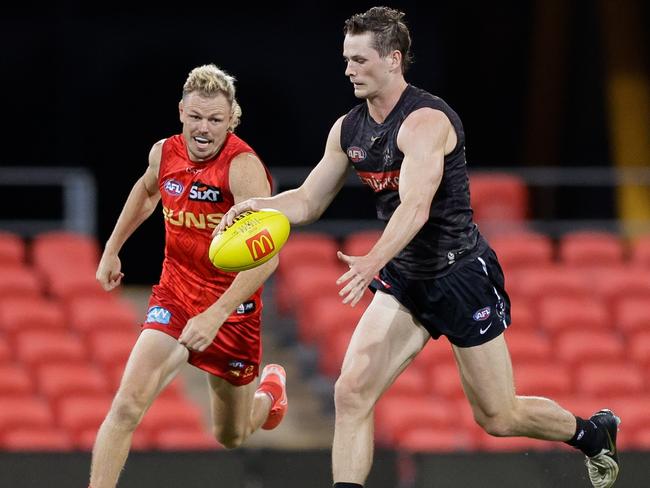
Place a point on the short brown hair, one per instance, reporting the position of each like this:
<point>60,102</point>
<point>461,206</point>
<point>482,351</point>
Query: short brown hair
<point>389,29</point>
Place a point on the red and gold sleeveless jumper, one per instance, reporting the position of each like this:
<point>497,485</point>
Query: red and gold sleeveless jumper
<point>194,198</point>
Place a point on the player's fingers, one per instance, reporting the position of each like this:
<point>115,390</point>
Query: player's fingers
<point>345,277</point>
<point>343,257</point>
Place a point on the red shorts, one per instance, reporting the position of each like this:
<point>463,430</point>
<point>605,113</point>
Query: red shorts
<point>235,352</point>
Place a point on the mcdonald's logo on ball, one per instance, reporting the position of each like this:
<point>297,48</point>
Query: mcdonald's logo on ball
<point>253,239</point>
<point>260,245</point>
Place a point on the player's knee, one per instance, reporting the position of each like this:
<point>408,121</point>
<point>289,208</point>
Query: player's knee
<point>127,411</point>
<point>500,424</point>
<point>348,398</point>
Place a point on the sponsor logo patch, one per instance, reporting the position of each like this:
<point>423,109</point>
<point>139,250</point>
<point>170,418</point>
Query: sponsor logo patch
<point>260,245</point>
<point>158,315</point>
<point>356,154</point>
<point>482,314</point>
<point>173,187</point>
<point>246,307</point>
<point>385,180</point>
<point>200,192</point>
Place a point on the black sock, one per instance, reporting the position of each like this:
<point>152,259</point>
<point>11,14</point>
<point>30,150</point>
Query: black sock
<point>588,437</point>
<point>347,485</point>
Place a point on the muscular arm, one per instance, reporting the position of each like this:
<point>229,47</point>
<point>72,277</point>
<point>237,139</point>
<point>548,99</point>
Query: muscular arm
<point>247,179</point>
<point>307,203</point>
<point>422,139</point>
<point>140,204</point>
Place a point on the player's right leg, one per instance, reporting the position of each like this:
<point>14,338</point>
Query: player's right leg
<point>385,341</point>
<point>154,361</point>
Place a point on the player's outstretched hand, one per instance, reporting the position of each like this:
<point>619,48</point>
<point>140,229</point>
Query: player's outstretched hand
<point>229,217</point>
<point>362,270</point>
<point>109,272</point>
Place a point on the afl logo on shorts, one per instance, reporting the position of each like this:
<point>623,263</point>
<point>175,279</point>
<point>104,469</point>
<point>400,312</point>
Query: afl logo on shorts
<point>356,154</point>
<point>173,187</point>
<point>482,314</point>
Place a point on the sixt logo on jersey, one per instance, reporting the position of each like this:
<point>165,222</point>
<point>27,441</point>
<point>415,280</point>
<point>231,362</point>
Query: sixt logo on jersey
<point>380,181</point>
<point>356,154</point>
<point>200,192</point>
<point>173,187</point>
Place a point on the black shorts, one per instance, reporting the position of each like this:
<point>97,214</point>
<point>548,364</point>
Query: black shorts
<point>468,305</point>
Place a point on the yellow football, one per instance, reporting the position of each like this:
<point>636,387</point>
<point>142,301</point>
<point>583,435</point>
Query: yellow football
<point>253,239</point>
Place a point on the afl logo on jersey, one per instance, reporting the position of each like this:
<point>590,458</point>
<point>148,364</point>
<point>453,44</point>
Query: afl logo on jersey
<point>173,187</point>
<point>356,154</point>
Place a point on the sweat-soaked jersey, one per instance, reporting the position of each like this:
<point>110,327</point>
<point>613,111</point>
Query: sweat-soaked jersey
<point>194,198</point>
<point>449,234</point>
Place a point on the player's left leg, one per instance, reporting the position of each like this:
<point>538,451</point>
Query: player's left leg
<point>487,377</point>
<point>486,374</point>
<point>238,411</point>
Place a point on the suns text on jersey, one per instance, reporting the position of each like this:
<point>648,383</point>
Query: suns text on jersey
<point>183,218</point>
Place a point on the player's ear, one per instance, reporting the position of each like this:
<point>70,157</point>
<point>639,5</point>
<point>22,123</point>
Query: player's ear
<point>180,110</point>
<point>396,59</point>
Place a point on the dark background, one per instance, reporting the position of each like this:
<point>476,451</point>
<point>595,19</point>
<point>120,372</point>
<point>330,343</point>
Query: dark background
<point>97,86</point>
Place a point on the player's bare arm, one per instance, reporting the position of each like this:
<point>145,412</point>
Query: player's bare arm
<point>140,204</point>
<point>422,138</point>
<point>247,179</point>
<point>307,203</point>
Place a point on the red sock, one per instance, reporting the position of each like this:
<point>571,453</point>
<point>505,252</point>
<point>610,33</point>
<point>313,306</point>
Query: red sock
<point>271,388</point>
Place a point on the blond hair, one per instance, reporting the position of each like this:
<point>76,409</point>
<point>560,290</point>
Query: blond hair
<point>209,81</point>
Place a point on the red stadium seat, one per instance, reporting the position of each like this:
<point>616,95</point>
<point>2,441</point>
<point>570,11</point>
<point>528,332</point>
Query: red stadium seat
<point>536,283</point>
<point>641,440</point>
<point>632,315</point>
<point>307,248</point>
<point>639,348</point>
<point>37,439</point>
<point>583,248</point>
<point>445,381</point>
<point>166,412</point>
<point>111,348</point>
<point>174,439</point>
<point>51,250</point>
<point>640,251</point>
<point>325,315</point>
<point>522,315</point>
<point>81,284</point>
<point>542,379</point>
<point>305,283</point>
<point>81,413</point>
<point>24,411</point>
<point>57,381</point>
<point>558,314</point>
<point>578,346</point>
<point>619,284</point>
<point>434,439</point>
<point>12,249</point>
<point>6,355</point>
<point>395,414</point>
<point>18,281</point>
<point>359,243</point>
<point>609,378</point>
<point>498,200</point>
<point>412,382</point>
<point>34,348</point>
<point>92,314</point>
<point>331,356</point>
<point>528,346</point>
<point>15,381</point>
<point>434,354</point>
<point>31,313</point>
<point>522,249</point>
